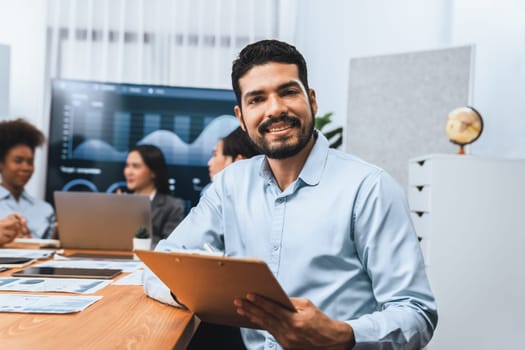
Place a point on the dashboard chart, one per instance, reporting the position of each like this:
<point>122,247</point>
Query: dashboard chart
<point>94,124</point>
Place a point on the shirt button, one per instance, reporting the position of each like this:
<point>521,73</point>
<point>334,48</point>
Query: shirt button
<point>270,345</point>
<point>275,248</point>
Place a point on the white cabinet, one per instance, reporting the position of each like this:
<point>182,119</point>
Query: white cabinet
<point>470,215</point>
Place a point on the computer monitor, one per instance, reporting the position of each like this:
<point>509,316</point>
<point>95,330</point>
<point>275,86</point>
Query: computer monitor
<point>93,125</point>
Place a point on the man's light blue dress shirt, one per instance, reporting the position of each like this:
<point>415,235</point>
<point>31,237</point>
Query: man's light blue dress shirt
<point>39,214</point>
<point>340,235</point>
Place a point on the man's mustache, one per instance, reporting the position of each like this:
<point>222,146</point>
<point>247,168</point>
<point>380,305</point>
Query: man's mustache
<point>293,121</point>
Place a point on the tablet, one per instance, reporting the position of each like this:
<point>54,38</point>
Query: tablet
<point>207,285</point>
<point>66,272</point>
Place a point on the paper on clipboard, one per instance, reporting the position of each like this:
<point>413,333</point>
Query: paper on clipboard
<point>208,284</point>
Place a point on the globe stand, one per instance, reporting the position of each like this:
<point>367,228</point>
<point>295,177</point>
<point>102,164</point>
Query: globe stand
<point>461,150</point>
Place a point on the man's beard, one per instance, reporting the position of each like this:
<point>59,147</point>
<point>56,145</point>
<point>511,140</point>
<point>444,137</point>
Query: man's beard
<point>283,149</point>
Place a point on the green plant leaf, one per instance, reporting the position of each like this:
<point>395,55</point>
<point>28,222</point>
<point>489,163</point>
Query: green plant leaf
<point>335,137</point>
<point>142,232</point>
<point>322,121</point>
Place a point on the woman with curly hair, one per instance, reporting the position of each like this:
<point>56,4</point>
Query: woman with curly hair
<point>18,140</point>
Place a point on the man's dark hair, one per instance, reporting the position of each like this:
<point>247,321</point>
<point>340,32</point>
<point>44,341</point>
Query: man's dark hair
<point>18,132</point>
<point>155,161</point>
<point>262,52</point>
<point>238,143</point>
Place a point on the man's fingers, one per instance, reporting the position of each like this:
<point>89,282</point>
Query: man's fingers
<point>255,314</point>
<point>267,305</point>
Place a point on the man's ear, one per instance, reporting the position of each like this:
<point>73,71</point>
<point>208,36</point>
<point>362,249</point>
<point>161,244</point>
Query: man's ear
<point>239,157</point>
<point>238,114</point>
<point>313,101</point>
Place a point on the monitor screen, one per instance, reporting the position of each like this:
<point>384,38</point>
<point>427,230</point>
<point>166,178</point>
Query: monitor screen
<point>94,124</point>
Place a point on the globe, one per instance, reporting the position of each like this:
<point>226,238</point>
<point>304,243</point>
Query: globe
<point>464,126</point>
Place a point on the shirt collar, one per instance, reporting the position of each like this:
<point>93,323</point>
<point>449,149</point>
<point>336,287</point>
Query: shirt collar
<point>313,167</point>
<point>4,193</point>
<point>316,161</point>
<point>152,195</point>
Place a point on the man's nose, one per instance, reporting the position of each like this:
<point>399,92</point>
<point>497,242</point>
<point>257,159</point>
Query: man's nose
<point>276,107</point>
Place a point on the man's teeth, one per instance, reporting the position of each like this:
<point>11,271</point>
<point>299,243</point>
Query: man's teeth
<point>279,129</point>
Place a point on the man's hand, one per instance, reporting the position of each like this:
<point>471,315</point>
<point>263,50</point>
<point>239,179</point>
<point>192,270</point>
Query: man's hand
<point>308,328</point>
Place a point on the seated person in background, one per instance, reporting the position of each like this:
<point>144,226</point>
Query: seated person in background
<point>11,227</point>
<point>235,146</point>
<point>18,140</point>
<point>334,229</point>
<point>146,173</point>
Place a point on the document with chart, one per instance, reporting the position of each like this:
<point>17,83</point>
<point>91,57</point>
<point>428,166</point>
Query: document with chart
<point>45,304</point>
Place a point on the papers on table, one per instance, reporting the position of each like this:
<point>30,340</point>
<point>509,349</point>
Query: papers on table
<point>26,253</point>
<point>48,304</point>
<point>59,304</point>
<point>68,285</point>
<point>133,279</point>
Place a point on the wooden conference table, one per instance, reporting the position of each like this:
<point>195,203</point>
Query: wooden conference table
<point>125,318</point>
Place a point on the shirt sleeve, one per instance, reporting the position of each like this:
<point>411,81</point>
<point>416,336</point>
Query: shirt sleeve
<point>389,250</point>
<point>202,225</point>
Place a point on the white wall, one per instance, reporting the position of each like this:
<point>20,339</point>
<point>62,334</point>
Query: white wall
<point>5,57</point>
<point>497,27</point>
<point>331,32</point>
<point>22,27</point>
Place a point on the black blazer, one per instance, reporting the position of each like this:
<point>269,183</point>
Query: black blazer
<point>166,213</point>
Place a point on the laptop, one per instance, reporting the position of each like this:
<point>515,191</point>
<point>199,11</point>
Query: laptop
<point>208,284</point>
<point>89,220</point>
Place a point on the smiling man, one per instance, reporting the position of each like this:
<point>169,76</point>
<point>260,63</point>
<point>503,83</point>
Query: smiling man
<point>334,230</point>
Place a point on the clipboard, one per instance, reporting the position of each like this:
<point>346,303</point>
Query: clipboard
<point>208,284</point>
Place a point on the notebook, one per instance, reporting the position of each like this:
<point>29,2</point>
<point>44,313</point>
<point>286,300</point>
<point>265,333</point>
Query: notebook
<point>208,284</point>
<point>88,220</point>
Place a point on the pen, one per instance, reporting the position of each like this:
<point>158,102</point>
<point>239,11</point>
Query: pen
<point>209,248</point>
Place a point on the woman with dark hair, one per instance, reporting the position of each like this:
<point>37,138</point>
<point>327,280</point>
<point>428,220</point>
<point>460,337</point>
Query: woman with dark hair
<point>146,173</point>
<point>18,140</point>
<point>235,146</point>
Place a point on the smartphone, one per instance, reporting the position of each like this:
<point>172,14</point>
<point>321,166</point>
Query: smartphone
<point>67,272</point>
<point>14,261</point>
<point>101,256</point>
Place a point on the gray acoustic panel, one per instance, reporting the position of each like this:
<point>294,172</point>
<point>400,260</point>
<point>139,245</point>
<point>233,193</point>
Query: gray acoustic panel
<point>398,105</point>
<point>4,80</point>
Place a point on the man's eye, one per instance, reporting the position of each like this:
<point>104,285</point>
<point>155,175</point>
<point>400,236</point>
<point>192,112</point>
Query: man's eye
<point>255,100</point>
<point>290,92</point>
